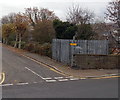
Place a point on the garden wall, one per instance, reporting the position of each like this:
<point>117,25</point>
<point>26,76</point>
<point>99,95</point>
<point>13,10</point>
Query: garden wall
<point>84,61</point>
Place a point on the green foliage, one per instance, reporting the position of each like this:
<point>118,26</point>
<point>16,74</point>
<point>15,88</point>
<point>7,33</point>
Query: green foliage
<point>85,32</point>
<point>70,32</point>
<point>64,30</point>
<point>10,39</point>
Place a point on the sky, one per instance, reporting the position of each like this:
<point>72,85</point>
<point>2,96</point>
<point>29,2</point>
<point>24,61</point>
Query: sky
<point>58,6</point>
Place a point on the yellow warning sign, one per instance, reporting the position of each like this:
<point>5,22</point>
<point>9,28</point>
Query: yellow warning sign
<point>73,44</point>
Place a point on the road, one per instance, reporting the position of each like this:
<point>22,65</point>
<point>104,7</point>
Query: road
<point>27,79</point>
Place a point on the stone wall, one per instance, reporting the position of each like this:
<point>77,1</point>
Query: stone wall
<point>83,61</point>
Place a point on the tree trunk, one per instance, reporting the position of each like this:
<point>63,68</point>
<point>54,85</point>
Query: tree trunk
<point>20,40</point>
<point>16,40</point>
<point>4,40</point>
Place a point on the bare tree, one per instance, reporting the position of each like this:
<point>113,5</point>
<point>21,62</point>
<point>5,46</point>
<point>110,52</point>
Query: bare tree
<point>35,15</point>
<point>113,14</point>
<point>31,15</point>
<point>4,20</point>
<point>46,14</point>
<point>77,15</point>
<point>8,18</point>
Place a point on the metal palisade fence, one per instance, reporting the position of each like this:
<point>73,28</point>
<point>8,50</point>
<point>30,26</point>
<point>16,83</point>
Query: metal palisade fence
<point>63,50</point>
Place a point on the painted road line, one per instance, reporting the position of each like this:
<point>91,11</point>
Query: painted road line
<point>2,78</point>
<point>69,77</point>
<point>63,80</point>
<point>58,77</point>
<point>46,65</point>
<point>34,73</point>
<point>74,79</point>
<point>50,80</point>
<point>57,71</point>
<point>113,74</point>
<point>22,83</point>
<point>107,77</point>
<point>6,84</point>
<point>35,60</point>
<point>82,78</point>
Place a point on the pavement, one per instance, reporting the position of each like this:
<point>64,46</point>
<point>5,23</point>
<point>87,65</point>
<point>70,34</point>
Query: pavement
<point>65,69</point>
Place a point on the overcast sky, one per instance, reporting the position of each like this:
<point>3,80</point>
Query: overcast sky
<point>58,6</point>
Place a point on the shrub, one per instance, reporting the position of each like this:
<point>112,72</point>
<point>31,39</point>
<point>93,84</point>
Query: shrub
<point>29,47</point>
<point>45,49</point>
<point>11,43</point>
<point>42,49</point>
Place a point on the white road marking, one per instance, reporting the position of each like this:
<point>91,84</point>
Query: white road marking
<point>63,80</point>
<point>69,77</point>
<point>6,85</point>
<point>113,74</point>
<point>74,78</point>
<point>22,83</point>
<point>58,77</point>
<point>47,78</point>
<point>34,73</point>
<point>50,80</point>
<point>105,75</point>
<point>82,78</point>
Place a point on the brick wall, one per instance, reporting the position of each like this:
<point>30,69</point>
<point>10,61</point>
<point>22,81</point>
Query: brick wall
<point>96,61</point>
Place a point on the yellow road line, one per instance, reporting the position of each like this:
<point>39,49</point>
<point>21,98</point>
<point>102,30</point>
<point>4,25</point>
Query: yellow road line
<point>3,78</point>
<point>58,72</point>
<point>106,77</point>
<point>44,65</point>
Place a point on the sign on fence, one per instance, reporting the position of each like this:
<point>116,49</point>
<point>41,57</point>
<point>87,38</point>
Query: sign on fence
<point>74,44</point>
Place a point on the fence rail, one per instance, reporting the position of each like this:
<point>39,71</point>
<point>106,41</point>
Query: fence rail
<point>63,50</point>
